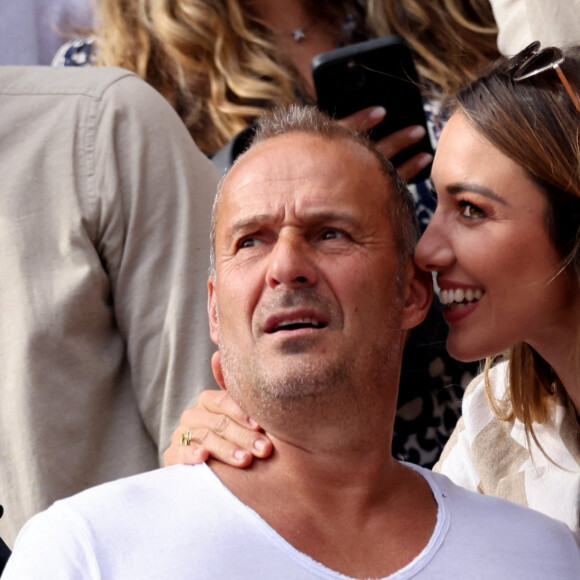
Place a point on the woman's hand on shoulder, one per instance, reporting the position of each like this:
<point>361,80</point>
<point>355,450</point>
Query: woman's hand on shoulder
<point>216,427</point>
<point>395,142</point>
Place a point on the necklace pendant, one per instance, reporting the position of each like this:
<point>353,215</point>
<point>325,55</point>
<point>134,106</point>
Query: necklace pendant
<point>298,35</point>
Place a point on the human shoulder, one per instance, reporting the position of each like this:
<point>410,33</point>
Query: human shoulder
<point>142,501</point>
<point>158,486</point>
<point>116,529</point>
<point>481,524</point>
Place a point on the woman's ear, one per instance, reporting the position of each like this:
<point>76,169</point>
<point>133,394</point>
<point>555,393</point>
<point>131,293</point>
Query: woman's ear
<point>212,310</point>
<point>418,295</point>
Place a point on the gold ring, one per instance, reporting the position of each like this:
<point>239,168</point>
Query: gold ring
<point>186,438</point>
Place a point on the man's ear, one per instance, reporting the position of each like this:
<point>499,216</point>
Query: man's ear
<point>212,310</point>
<point>418,295</point>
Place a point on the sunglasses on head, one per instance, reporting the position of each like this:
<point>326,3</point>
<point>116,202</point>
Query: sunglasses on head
<point>532,61</point>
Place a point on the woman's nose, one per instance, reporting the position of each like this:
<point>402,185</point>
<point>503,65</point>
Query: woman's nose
<point>434,252</point>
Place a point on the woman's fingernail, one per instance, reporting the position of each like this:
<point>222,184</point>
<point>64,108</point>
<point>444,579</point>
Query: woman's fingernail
<point>260,444</point>
<point>377,113</point>
<point>252,422</point>
<point>240,455</point>
<point>417,132</point>
<point>425,159</point>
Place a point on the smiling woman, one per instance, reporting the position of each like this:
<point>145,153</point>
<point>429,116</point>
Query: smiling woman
<point>504,244</point>
<point>496,264</point>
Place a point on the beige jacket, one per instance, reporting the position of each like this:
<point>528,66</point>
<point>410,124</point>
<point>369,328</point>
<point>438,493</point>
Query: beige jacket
<point>104,228</point>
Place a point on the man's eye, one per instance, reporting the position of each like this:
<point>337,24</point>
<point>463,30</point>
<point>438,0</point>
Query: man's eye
<point>248,243</point>
<point>470,210</point>
<point>331,234</point>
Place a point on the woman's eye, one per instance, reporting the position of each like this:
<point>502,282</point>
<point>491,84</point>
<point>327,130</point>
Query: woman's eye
<point>470,210</point>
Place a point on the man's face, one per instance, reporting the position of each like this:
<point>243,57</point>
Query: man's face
<point>305,297</point>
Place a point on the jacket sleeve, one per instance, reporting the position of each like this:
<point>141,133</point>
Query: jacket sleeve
<point>154,193</point>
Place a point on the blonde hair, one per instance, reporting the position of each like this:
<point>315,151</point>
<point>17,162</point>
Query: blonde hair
<point>452,40</point>
<point>220,68</point>
<point>206,58</point>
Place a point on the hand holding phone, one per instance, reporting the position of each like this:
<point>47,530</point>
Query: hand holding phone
<point>378,72</point>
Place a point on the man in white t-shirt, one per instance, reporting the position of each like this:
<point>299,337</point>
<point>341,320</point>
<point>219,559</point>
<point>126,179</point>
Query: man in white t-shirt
<point>311,293</point>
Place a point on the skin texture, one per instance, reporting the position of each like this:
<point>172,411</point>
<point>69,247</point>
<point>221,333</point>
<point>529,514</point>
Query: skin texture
<point>489,233</point>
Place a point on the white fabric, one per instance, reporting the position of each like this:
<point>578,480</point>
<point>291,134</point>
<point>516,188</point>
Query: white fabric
<point>493,457</point>
<point>552,22</point>
<point>105,209</point>
<point>182,522</point>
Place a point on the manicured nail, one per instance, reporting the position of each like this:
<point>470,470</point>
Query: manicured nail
<point>377,113</point>
<point>252,422</point>
<point>417,132</point>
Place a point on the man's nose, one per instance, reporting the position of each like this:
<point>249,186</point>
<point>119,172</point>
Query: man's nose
<point>291,263</point>
<point>434,251</point>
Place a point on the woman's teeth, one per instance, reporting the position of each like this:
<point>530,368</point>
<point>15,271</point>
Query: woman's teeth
<point>459,297</point>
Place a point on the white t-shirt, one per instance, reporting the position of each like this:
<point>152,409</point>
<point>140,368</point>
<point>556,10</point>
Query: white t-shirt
<point>182,522</point>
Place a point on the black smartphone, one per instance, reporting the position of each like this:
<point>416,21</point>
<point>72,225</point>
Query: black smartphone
<point>372,73</point>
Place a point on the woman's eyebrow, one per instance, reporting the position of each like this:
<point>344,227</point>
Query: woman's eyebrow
<point>458,188</point>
